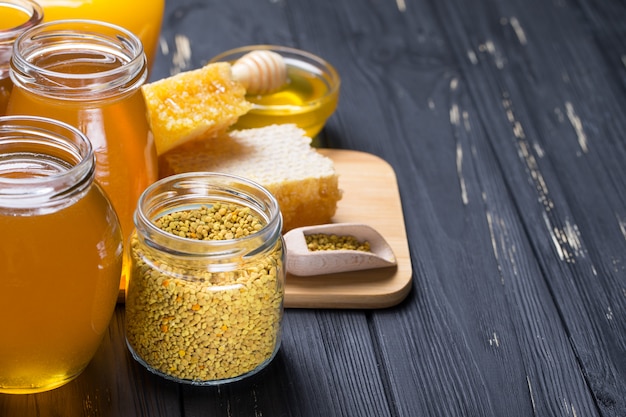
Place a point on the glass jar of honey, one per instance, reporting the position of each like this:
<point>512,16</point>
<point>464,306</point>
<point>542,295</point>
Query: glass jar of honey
<point>60,254</point>
<point>89,75</point>
<point>16,16</point>
<point>142,17</point>
<point>308,98</point>
<point>204,303</point>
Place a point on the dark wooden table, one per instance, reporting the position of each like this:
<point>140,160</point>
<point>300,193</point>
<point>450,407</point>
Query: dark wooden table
<point>505,122</point>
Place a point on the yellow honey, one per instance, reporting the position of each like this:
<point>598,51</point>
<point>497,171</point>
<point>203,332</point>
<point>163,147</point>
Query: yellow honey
<point>308,98</point>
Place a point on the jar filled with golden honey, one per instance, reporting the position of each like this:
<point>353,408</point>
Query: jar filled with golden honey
<point>89,74</point>
<point>60,254</point>
<point>307,99</point>
<point>204,304</point>
<point>142,17</point>
<point>16,16</point>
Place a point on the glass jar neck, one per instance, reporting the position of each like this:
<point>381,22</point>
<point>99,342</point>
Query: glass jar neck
<point>78,60</point>
<point>45,165</point>
<point>192,190</point>
<point>32,14</point>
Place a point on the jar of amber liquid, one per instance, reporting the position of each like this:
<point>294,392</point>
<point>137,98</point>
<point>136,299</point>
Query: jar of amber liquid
<point>16,16</point>
<point>60,254</point>
<point>142,17</point>
<point>308,98</point>
<point>89,75</point>
<point>205,300</point>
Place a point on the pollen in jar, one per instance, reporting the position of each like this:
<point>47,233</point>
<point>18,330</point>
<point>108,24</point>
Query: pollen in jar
<point>189,323</point>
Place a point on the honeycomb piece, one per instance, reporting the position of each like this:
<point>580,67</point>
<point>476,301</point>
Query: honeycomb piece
<point>279,157</point>
<point>193,105</point>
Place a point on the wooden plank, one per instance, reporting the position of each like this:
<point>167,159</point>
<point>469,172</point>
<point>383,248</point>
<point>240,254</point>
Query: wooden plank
<point>399,103</point>
<point>431,93</point>
<point>564,159</point>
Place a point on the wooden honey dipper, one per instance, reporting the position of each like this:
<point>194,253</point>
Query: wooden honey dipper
<point>260,71</point>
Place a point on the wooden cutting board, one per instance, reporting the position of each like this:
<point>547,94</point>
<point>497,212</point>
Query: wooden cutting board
<point>371,196</point>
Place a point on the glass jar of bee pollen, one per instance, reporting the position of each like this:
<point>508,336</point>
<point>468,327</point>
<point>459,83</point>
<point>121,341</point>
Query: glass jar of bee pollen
<point>204,303</point>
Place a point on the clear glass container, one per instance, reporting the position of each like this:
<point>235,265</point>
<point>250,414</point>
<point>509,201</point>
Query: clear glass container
<point>308,99</point>
<point>89,74</point>
<point>16,16</point>
<point>205,312</point>
<point>142,17</point>
<point>60,254</point>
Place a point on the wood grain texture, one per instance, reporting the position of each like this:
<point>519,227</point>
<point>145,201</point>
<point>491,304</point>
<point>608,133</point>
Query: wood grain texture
<point>459,101</point>
<point>505,122</point>
<point>571,198</point>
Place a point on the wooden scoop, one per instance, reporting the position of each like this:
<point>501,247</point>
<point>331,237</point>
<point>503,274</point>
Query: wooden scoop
<point>304,262</point>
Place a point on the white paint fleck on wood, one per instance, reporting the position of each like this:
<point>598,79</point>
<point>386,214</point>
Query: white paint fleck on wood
<point>455,117</point>
<point>494,242</point>
<point>490,48</point>
<point>524,150</point>
<point>455,120</point>
<point>569,408</point>
<point>165,48</point>
<point>494,247</point>
<point>454,84</point>
<point>578,126</point>
<point>566,240</point>
<point>182,54</point>
<point>512,252</point>
<point>401,5</point>
<point>553,235</point>
<point>538,150</point>
<point>530,393</point>
<point>466,122</point>
<point>472,57</point>
<point>519,31</point>
<point>622,225</point>
<point>493,341</point>
<point>459,170</point>
<point>518,130</point>
<point>572,238</point>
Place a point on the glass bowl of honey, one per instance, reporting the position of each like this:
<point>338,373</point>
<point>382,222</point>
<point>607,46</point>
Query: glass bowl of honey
<point>307,99</point>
